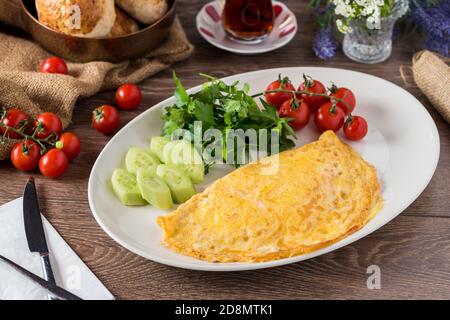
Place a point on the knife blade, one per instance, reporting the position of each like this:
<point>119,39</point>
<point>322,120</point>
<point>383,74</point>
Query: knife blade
<point>34,229</point>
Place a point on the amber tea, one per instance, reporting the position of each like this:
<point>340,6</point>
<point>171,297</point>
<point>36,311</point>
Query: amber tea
<point>248,20</point>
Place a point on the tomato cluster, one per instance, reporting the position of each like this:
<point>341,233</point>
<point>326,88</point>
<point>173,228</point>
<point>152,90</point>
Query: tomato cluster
<point>106,118</point>
<point>331,109</point>
<point>43,144</point>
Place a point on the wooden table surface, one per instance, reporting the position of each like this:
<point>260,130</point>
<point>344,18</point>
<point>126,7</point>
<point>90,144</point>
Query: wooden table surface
<point>412,251</point>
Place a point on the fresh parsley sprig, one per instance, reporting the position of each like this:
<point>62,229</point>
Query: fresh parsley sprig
<point>223,107</point>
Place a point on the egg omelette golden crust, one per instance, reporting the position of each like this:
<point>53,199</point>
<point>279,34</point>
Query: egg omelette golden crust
<point>321,193</point>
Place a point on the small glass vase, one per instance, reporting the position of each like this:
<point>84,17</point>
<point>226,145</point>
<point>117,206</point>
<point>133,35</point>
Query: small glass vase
<point>373,45</point>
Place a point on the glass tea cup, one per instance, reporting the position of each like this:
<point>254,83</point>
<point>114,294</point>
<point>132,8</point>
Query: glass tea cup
<point>248,21</point>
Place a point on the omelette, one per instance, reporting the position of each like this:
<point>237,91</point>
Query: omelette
<point>319,194</point>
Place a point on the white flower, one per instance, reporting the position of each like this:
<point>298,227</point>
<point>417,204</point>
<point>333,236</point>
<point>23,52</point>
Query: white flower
<point>343,27</point>
<point>374,21</point>
<point>344,10</point>
<point>367,11</point>
<point>358,9</point>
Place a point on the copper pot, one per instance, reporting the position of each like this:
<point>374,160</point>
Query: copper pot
<point>81,49</point>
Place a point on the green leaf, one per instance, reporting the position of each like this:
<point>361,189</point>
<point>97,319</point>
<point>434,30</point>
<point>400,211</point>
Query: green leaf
<point>246,88</point>
<point>180,94</point>
<point>174,118</point>
<point>205,113</point>
<point>269,111</point>
<point>288,128</point>
<point>235,108</point>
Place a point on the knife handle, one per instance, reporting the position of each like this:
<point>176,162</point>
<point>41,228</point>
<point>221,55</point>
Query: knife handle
<point>59,292</point>
<point>48,272</point>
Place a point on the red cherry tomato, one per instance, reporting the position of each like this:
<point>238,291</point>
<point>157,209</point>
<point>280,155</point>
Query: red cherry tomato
<point>347,96</point>
<point>329,118</point>
<point>105,119</point>
<point>14,118</point>
<point>277,98</point>
<point>48,123</point>
<point>355,128</point>
<point>297,110</point>
<point>53,164</point>
<point>70,144</point>
<point>54,65</point>
<point>25,155</point>
<point>128,96</point>
<point>313,86</point>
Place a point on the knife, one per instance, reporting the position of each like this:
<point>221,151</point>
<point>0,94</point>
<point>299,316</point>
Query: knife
<point>34,230</point>
<point>57,291</point>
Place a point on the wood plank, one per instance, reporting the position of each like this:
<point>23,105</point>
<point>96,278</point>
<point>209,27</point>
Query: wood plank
<point>413,254</point>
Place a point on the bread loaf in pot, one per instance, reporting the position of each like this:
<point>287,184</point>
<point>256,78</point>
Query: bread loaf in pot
<point>123,25</point>
<point>85,18</point>
<point>145,11</point>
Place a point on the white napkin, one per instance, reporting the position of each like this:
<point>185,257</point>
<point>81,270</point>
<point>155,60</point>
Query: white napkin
<point>70,272</point>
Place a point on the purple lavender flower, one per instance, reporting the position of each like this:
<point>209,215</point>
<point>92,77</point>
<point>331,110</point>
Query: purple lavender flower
<point>434,20</point>
<point>324,43</point>
<point>437,44</point>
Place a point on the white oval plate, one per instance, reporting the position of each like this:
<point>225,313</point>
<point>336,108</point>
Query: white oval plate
<point>402,143</point>
<point>209,25</point>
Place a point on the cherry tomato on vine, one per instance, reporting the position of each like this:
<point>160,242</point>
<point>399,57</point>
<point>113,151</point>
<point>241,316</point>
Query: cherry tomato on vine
<point>54,65</point>
<point>313,86</point>
<point>70,144</point>
<point>105,119</point>
<point>298,110</point>
<point>53,164</point>
<point>47,123</point>
<point>25,155</point>
<point>128,96</point>
<point>278,98</point>
<point>14,118</point>
<point>355,128</point>
<point>346,95</point>
<point>329,117</point>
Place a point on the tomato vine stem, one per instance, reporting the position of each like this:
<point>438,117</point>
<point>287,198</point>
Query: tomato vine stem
<point>297,92</point>
<point>45,144</point>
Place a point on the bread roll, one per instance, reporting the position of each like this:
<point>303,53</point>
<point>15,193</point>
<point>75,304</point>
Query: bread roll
<point>123,25</point>
<point>86,18</point>
<point>145,11</point>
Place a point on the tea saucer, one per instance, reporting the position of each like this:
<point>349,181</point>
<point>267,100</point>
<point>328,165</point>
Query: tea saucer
<point>209,25</point>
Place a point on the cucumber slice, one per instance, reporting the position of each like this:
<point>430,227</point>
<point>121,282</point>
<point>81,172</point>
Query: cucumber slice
<point>179,184</point>
<point>126,189</point>
<point>195,172</point>
<point>167,149</point>
<point>154,189</point>
<point>157,145</point>
<point>184,156</point>
<point>140,158</point>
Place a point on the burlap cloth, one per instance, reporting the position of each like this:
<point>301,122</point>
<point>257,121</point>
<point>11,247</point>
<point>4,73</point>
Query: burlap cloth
<point>432,76</point>
<point>23,87</point>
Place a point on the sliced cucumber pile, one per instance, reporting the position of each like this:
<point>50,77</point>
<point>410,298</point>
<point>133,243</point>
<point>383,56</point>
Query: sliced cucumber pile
<point>125,186</point>
<point>161,175</point>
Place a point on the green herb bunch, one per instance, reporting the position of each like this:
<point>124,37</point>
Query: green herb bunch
<point>221,106</point>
